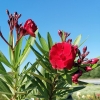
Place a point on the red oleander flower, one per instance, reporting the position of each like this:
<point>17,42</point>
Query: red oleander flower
<point>62,55</point>
<point>30,27</point>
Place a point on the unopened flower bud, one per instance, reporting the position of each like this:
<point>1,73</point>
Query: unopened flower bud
<point>7,11</point>
<point>19,15</point>
<point>87,53</point>
<point>69,41</point>
<point>83,56</point>
<point>60,33</point>
<point>89,61</point>
<point>76,75</point>
<point>84,49</point>
<point>88,68</point>
<point>8,22</point>
<point>94,60</point>
<point>20,24</point>
<point>15,13</point>
<point>79,61</point>
<point>0,33</point>
<point>66,34</point>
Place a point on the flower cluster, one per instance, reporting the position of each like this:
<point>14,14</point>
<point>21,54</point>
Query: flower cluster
<point>28,28</point>
<point>83,60</point>
<point>62,56</point>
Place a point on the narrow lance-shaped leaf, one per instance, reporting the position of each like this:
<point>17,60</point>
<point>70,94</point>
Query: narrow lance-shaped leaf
<point>36,53</point>
<point>2,68</point>
<point>11,42</point>
<point>26,50</point>
<point>40,57</point>
<point>41,78</point>
<point>83,42</point>
<point>18,49</point>
<point>4,86</point>
<point>4,60</point>
<point>45,53</point>
<point>31,68</point>
<point>50,42</point>
<point>43,43</point>
<point>77,40</point>
<point>8,79</point>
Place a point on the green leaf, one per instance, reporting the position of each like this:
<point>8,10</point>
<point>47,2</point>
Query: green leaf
<point>5,93</point>
<point>18,49</point>
<point>38,87</point>
<point>46,67</point>
<point>2,68</point>
<point>7,78</point>
<point>36,53</point>
<point>95,65</point>
<point>75,88</point>
<point>40,57</point>
<point>68,77</point>
<point>82,83</point>
<point>4,60</point>
<point>4,86</point>
<point>83,42</point>
<point>39,96</point>
<point>11,42</point>
<point>25,68</point>
<point>41,49</point>
<point>77,40</point>
<point>50,42</point>
<point>41,77</point>
<point>43,87</point>
<point>43,43</point>
<point>26,50</point>
<point>31,68</point>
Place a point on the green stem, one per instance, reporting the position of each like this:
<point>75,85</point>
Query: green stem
<point>51,96</point>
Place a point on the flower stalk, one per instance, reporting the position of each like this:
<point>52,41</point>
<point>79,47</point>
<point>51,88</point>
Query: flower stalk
<point>5,40</point>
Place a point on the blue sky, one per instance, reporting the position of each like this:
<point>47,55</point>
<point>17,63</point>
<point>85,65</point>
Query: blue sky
<point>74,16</point>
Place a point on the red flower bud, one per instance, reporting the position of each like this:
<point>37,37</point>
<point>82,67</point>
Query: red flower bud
<point>7,11</point>
<point>79,61</point>
<point>30,27</point>
<point>87,53</point>
<point>84,49</point>
<point>94,60</point>
<point>88,68</point>
<point>75,76</point>
<point>69,41</point>
<point>60,33</point>
<point>66,34</point>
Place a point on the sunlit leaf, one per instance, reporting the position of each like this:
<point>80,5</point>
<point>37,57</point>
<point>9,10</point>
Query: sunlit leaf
<point>11,42</point>
<point>41,77</point>
<point>2,68</point>
<point>77,40</point>
<point>17,49</point>
<point>26,50</point>
<point>50,42</point>
<point>4,86</point>
<point>4,60</point>
<point>43,43</point>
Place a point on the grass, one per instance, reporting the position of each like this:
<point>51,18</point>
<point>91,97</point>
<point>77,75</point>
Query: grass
<point>90,91</point>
